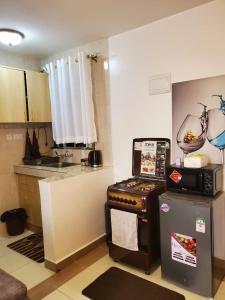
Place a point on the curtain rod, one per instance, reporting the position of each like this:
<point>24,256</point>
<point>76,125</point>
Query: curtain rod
<point>93,57</point>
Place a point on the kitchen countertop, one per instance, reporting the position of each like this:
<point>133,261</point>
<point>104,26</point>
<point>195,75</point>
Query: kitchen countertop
<point>54,174</point>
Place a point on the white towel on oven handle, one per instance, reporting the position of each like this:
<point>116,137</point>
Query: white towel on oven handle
<point>124,229</point>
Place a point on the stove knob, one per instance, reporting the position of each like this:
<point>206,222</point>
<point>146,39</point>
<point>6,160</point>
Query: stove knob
<point>129,202</point>
<point>134,202</point>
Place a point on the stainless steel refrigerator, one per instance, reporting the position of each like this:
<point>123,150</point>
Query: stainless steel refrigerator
<point>192,236</point>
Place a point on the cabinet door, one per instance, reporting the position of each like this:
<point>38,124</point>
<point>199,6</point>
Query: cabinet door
<point>29,198</point>
<point>38,97</point>
<point>12,96</point>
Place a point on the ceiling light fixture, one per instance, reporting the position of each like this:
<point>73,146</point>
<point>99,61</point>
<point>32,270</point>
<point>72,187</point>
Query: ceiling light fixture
<point>11,37</point>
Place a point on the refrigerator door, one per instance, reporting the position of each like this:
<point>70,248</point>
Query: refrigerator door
<point>186,241</point>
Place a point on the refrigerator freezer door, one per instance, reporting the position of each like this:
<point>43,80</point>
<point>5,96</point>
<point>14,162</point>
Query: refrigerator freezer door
<point>186,242</point>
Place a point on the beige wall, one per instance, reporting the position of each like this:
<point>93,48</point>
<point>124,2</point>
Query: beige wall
<point>18,61</point>
<point>12,141</point>
<point>12,146</point>
<point>102,110</point>
<point>189,45</point>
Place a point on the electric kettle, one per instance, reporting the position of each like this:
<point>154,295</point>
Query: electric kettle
<point>95,158</point>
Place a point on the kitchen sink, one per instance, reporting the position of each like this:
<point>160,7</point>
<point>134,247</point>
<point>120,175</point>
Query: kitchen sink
<point>60,164</point>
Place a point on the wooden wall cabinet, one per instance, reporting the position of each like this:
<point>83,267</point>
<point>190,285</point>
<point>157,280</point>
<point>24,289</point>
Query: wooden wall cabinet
<point>24,96</point>
<point>39,105</point>
<point>12,96</point>
<point>29,198</point>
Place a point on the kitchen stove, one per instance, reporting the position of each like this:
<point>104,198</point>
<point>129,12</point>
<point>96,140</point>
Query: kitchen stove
<point>139,195</point>
<point>132,194</point>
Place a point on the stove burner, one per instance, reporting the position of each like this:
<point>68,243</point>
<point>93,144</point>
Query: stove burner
<point>145,187</point>
<point>137,185</point>
<point>131,184</point>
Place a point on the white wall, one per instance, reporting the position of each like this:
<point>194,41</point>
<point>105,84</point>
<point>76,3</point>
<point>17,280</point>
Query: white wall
<point>18,61</point>
<point>73,211</point>
<point>190,45</point>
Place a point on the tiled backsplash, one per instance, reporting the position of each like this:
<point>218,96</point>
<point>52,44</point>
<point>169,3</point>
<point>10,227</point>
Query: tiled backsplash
<point>12,146</point>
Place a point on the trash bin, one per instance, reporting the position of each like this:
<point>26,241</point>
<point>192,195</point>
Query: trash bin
<point>15,220</point>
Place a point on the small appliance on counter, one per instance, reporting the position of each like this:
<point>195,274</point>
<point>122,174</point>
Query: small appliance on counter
<point>196,160</point>
<point>132,208</point>
<point>95,158</point>
<point>192,232</point>
<point>204,181</point>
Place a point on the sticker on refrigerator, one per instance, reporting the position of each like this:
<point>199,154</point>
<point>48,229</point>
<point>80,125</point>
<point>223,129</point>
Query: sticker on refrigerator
<point>200,224</point>
<point>165,207</point>
<point>183,249</point>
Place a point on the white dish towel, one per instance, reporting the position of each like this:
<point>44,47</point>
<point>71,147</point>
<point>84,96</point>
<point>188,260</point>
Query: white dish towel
<point>124,229</point>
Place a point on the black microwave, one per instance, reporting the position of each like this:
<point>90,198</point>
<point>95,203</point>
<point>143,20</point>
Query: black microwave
<point>204,181</point>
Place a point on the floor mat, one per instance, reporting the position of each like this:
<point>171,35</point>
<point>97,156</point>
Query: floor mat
<point>31,246</point>
<point>116,284</point>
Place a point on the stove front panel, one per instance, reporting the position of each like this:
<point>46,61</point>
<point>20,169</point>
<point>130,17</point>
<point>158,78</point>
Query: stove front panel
<point>127,201</point>
<point>133,194</point>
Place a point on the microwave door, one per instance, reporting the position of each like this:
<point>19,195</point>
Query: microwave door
<point>192,182</point>
<point>189,182</point>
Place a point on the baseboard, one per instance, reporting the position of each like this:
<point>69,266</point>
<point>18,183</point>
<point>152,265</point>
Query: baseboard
<point>62,264</point>
<point>34,228</point>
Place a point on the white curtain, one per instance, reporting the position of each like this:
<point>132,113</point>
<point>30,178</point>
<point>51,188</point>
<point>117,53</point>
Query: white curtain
<point>70,86</point>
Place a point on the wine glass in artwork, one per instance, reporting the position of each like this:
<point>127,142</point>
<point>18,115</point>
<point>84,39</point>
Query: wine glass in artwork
<point>192,134</point>
<point>216,129</point>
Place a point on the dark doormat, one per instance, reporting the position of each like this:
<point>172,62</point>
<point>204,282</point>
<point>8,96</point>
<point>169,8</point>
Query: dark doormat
<point>116,284</point>
<point>31,246</point>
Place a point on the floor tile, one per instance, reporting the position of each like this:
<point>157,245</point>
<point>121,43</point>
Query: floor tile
<point>220,295</point>
<point>5,251</point>
<point>13,262</point>
<point>106,262</point>
<point>73,288</point>
<point>6,239</point>
<point>57,295</point>
<point>32,274</point>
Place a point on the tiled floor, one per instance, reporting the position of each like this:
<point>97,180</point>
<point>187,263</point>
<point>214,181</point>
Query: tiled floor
<point>69,283</point>
<point>72,289</point>
<point>19,266</point>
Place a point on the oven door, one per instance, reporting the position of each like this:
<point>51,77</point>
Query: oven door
<point>185,180</point>
<point>143,232</point>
